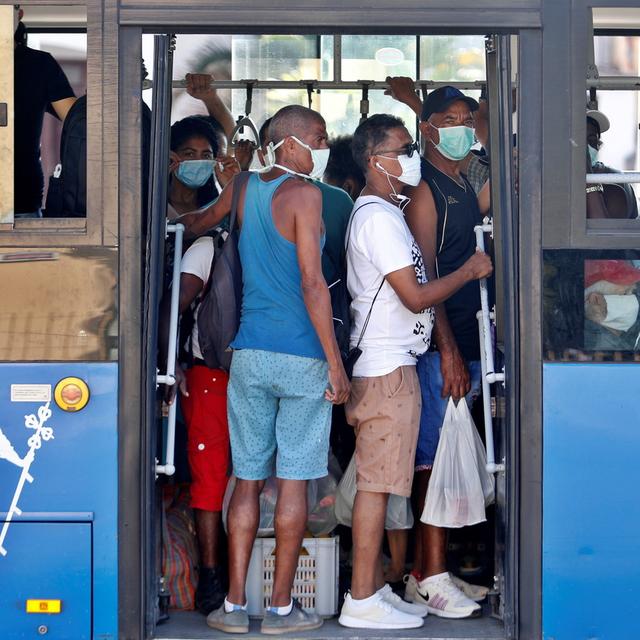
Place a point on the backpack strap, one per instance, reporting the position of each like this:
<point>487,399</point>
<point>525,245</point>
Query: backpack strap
<point>239,181</point>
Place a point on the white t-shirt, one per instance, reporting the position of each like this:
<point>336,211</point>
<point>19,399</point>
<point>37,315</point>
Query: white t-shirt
<point>197,261</point>
<point>379,242</point>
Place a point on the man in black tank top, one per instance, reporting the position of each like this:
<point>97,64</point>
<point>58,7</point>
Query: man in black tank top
<point>442,214</point>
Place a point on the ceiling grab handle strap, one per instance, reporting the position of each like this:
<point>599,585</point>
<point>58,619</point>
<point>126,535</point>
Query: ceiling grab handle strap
<point>245,120</point>
<point>364,102</point>
<point>310,90</point>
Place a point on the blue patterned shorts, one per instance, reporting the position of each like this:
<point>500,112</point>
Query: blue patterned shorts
<point>278,413</point>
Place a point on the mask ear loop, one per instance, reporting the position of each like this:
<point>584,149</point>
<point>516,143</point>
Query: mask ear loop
<point>403,200</point>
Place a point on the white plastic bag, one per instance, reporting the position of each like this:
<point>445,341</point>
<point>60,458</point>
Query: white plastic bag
<point>321,518</point>
<point>399,515</point>
<point>486,479</point>
<point>455,497</point>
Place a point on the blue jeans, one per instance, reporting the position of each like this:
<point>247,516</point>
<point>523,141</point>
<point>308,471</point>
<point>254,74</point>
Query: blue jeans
<point>434,406</point>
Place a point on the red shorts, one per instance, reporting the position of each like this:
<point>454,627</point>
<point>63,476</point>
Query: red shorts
<point>205,414</point>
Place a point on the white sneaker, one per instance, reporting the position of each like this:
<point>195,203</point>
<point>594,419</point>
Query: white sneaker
<point>414,608</point>
<point>377,614</point>
<point>410,588</point>
<point>475,592</point>
<point>444,599</point>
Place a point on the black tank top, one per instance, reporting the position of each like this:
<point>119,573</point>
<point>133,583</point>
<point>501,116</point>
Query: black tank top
<point>458,213</point>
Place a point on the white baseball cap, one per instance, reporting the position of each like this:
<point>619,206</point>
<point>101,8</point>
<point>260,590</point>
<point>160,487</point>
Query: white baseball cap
<point>601,120</point>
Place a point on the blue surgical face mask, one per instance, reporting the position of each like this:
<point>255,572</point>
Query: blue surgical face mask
<point>593,154</point>
<point>194,173</point>
<point>455,142</point>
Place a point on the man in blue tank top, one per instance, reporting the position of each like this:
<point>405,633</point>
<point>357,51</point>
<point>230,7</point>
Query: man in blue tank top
<point>441,215</point>
<point>286,370</point>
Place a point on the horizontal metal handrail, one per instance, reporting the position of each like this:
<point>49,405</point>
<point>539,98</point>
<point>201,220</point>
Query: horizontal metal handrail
<point>623,177</point>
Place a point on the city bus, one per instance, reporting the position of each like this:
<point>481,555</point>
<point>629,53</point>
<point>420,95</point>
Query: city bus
<point>84,453</point>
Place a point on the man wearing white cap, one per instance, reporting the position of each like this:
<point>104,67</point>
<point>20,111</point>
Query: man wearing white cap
<point>619,199</point>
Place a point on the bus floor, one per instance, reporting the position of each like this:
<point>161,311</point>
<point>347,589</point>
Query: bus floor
<point>191,625</point>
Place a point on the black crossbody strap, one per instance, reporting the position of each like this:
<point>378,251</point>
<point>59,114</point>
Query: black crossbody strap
<point>366,321</point>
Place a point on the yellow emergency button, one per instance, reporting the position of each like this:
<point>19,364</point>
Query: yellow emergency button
<point>71,394</point>
<point>44,606</point>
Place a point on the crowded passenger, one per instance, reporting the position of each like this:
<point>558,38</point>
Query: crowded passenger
<point>393,316</point>
<point>40,86</point>
<point>286,370</point>
<point>203,401</point>
<point>475,165</point>
<point>442,213</point>
<point>611,200</point>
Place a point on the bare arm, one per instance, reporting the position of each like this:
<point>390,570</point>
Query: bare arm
<point>61,107</point>
<point>484,197</point>
<point>308,226</point>
<point>417,297</point>
<point>422,219</point>
<point>200,222</point>
<point>199,87</point>
<point>402,89</point>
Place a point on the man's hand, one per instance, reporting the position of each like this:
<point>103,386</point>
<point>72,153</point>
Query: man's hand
<point>455,375</point>
<point>478,265</point>
<point>230,168</point>
<point>339,387</point>
<point>243,153</point>
<point>402,89</point>
<point>180,383</point>
<point>199,86</point>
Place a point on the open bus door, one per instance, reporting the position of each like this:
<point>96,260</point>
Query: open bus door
<point>154,285</point>
<point>503,409</point>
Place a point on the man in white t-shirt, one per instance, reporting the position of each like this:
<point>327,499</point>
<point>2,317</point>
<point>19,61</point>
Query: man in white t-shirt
<point>204,407</point>
<point>393,315</point>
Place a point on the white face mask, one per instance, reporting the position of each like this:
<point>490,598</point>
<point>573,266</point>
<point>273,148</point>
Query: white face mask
<point>410,174</point>
<point>622,312</point>
<point>319,157</point>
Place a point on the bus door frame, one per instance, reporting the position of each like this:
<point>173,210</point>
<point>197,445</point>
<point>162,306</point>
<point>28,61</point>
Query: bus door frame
<point>136,458</point>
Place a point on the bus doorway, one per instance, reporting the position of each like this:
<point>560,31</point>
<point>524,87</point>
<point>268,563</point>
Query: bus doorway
<point>323,71</point>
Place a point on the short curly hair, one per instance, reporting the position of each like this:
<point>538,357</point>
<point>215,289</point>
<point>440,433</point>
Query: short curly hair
<point>370,134</point>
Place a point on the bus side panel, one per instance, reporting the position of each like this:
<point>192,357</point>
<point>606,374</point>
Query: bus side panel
<point>591,521</point>
<point>72,459</point>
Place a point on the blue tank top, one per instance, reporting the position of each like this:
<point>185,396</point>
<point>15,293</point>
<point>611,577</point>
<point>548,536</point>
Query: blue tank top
<point>274,316</point>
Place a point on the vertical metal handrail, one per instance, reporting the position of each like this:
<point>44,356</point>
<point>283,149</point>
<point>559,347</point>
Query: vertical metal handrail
<point>169,377</point>
<point>487,365</point>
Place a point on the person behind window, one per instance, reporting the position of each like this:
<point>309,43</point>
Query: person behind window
<point>40,86</point>
<point>616,200</point>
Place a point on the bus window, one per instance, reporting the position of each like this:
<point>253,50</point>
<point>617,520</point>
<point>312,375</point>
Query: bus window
<point>612,111</point>
<point>592,305</point>
<point>48,65</point>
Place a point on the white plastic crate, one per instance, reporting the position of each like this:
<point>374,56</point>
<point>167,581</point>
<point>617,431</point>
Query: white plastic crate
<point>315,584</point>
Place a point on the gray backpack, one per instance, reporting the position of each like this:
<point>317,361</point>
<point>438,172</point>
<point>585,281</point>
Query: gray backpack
<point>219,310</point>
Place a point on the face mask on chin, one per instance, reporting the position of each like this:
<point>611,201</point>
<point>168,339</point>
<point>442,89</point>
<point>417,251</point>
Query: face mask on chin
<point>455,142</point>
<point>319,157</point>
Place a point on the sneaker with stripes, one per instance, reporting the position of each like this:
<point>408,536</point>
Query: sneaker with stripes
<point>444,599</point>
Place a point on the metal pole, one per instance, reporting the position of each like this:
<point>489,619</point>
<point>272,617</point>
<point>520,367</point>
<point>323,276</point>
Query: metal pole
<point>337,58</point>
<point>624,177</point>
<point>471,85</point>
<point>614,83</point>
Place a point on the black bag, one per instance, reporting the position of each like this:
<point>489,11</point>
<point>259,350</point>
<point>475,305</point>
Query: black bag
<point>219,311</point>
<point>341,308</point>
<point>67,193</point>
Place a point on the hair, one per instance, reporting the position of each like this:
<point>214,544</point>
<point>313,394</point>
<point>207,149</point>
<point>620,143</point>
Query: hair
<point>370,134</point>
<point>292,120</point>
<point>263,134</point>
<point>342,165</point>
<point>194,127</point>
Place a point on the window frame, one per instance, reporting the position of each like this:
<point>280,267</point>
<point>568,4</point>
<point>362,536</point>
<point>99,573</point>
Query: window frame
<point>100,225</point>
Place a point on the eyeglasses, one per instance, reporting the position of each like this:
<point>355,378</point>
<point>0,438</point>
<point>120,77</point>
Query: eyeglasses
<point>407,150</point>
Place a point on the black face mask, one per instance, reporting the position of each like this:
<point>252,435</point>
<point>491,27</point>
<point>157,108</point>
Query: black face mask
<point>20,35</point>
